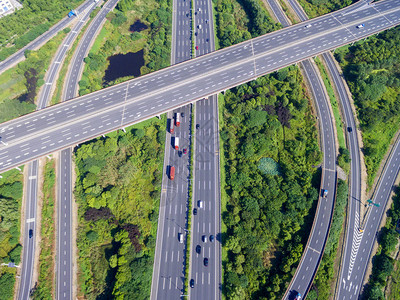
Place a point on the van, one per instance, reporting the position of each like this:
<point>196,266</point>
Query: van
<point>180,237</point>
<point>199,26</point>
<point>200,203</point>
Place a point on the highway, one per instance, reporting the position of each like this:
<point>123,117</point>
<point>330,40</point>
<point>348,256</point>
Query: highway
<point>52,73</point>
<point>29,242</point>
<point>35,44</point>
<point>31,192</point>
<point>314,249</point>
<point>355,263</point>
<point>65,184</point>
<point>70,123</point>
<point>206,180</point>
<point>169,261</point>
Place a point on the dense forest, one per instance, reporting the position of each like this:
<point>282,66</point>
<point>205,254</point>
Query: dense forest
<point>270,151</point>
<point>26,24</point>
<point>315,8</point>
<point>118,192</point>
<point>372,71</point>
<point>241,20</point>
<point>115,37</point>
<point>383,262</point>
<point>10,249</point>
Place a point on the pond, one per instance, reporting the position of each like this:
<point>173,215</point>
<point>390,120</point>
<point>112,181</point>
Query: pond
<point>122,65</point>
<point>137,26</point>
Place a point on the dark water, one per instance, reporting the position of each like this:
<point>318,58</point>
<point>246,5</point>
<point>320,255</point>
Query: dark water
<point>137,26</point>
<point>122,65</point>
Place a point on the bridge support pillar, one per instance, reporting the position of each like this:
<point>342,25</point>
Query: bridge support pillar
<point>159,117</point>
<point>123,129</point>
<point>103,136</point>
<point>48,156</point>
<point>17,168</point>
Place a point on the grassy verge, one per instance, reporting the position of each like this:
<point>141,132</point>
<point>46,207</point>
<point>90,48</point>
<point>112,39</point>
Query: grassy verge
<point>57,95</point>
<point>190,206</point>
<point>394,285</point>
<point>20,84</point>
<point>11,188</point>
<point>47,245</point>
<point>318,8</point>
<point>370,68</point>
<point>116,38</point>
<point>287,12</point>
<point>325,279</point>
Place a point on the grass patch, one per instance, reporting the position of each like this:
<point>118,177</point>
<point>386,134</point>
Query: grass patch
<point>318,8</point>
<point>46,283</point>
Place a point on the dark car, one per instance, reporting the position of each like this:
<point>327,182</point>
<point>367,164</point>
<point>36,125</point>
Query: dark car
<point>192,283</point>
<point>180,153</point>
<point>30,233</point>
<point>184,151</point>
<point>182,115</point>
<point>211,238</point>
<point>349,129</point>
<point>197,126</point>
<point>194,211</point>
<point>198,249</point>
<point>206,261</point>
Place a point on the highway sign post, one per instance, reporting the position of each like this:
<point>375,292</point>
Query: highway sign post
<point>372,203</point>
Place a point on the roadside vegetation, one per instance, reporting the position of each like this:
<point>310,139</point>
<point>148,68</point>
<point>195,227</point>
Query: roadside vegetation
<point>270,149</point>
<point>315,8</point>
<point>11,188</point>
<point>116,38</point>
<point>383,262</point>
<point>19,85</point>
<point>44,289</point>
<point>25,25</point>
<point>371,70</point>
<point>325,279</point>
<point>241,20</point>
<point>118,193</point>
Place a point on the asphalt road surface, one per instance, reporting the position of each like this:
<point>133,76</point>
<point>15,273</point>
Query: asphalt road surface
<point>52,73</point>
<point>35,44</point>
<point>31,196</point>
<point>169,261</point>
<point>314,249</point>
<point>70,123</point>
<point>356,260</point>
<point>29,233</point>
<point>206,180</point>
<point>64,183</point>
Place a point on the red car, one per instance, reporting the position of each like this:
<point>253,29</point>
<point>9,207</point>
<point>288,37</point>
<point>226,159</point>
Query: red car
<point>197,47</point>
<point>184,151</point>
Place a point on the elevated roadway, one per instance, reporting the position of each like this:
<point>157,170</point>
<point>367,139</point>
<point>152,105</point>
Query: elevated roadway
<point>70,123</point>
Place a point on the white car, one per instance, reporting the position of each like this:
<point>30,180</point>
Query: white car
<point>360,26</point>
<point>308,25</point>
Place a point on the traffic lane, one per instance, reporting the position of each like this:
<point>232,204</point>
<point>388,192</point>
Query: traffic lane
<point>302,280</point>
<point>205,287</point>
<point>171,270</point>
<point>373,221</point>
<point>41,39</point>
<point>279,14</point>
<point>299,12</point>
<point>64,227</point>
<point>83,49</point>
<point>29,242</point>
<point>139,89</point>
<point>53,70</point>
